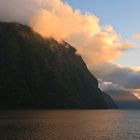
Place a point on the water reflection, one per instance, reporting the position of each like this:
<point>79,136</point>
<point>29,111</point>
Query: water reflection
<point>70,125</point>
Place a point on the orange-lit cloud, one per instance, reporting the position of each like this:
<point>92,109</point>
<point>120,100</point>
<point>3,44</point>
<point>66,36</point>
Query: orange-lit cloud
<point>136,36</point>
<point>136,69</point>
<point>57,19</point>
<point>136,92</point>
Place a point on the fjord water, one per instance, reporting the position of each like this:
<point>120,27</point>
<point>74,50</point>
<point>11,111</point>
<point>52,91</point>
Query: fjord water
<point>70,125</point>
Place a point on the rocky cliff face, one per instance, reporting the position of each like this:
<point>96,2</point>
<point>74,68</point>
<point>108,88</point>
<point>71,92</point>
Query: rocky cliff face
<point>42,73</point>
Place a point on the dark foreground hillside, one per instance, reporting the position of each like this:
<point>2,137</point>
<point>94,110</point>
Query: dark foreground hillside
<point>42,73</point>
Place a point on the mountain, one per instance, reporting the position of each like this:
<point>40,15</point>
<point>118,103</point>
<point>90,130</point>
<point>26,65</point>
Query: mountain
<point>36,72</point>
<point>125,99</point>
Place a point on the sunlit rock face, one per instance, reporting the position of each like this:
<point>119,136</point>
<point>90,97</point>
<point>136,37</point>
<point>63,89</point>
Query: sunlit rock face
<point>41,73</point>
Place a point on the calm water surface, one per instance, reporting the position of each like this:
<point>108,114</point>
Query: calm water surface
<point>70,125</point>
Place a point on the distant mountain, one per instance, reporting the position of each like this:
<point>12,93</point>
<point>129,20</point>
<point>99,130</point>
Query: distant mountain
<point>125,100</point>
<point>41,73</point>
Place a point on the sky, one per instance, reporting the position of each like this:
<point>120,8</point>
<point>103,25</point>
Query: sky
<point>123,15</point>
<point>105,33</point>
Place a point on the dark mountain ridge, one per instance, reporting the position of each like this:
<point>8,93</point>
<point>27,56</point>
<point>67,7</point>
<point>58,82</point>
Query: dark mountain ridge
<point>41,73</point>
<point>125,99</point>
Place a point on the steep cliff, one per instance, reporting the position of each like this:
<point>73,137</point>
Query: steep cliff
<point>41,73</point>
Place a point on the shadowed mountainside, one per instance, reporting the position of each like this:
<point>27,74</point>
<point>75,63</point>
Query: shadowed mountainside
<point>125,99</point>
<point>42,73</point>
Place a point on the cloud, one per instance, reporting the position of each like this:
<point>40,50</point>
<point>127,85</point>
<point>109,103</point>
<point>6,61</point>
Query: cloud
<point>62,21</point>
<point>18,10</point>
<point>55,18</point>
<point>136,36</point>
<point>116,79</point>
<point>122,76</point>
<point>136,92</point>
<point>110,87</point>
<point>83,31</point>
<point>136,69</point>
